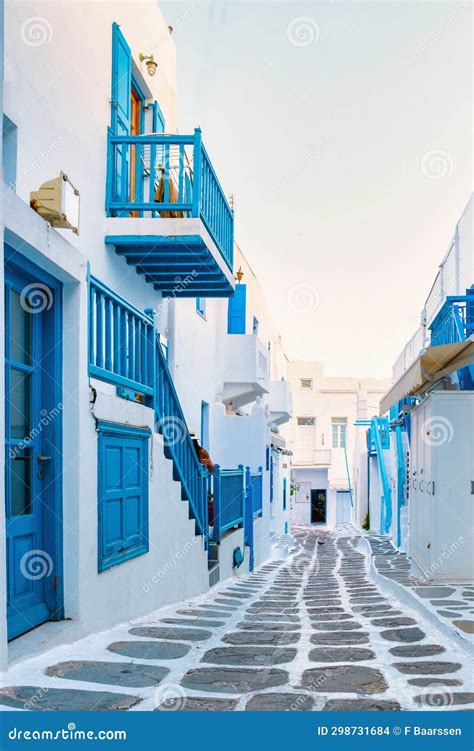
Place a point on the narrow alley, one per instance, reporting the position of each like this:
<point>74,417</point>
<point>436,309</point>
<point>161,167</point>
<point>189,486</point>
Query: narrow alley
<point>309,632</point>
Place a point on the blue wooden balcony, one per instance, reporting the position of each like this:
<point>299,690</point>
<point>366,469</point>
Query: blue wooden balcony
<point>455,320</point>
<point>167,214</point>
<point>455,323</point>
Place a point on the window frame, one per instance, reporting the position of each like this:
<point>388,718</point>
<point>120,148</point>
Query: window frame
<point>338,423</point>
<point>140,545</point>
<point>309,381</point>
<point>306,424</point>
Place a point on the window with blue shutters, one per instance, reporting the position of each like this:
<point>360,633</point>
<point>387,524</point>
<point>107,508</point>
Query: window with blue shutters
<point>122,493</point>
<point>236,312</point>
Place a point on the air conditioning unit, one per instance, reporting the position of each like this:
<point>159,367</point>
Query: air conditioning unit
<point>57,202</point>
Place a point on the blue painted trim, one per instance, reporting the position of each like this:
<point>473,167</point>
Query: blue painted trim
<point>401,478</point>
<point>386,504</point>
<point>249,519</point>
<point>109,427</point>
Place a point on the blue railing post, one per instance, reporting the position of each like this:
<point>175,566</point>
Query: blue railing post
<point>386,496</point>
<point>216,531</point>
<point>248,517</point>
<point>197,162</point>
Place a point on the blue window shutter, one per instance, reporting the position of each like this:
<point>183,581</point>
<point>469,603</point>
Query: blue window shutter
<point>284,494</point>
<point>121,103</point>
<point>122,494</point>
<point>236,313</point>
<point>158,119</point>
<point>121,82</point>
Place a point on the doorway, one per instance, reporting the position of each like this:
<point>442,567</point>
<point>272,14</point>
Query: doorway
<point>318,506</point>
<point>33,438</point>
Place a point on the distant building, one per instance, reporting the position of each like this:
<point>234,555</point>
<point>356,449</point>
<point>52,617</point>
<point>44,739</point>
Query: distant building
<point>323,441</point>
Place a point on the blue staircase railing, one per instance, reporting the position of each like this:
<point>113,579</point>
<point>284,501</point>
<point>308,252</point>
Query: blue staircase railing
<point>229,505</point>
<point>121,341</point>
<point>178,445</point>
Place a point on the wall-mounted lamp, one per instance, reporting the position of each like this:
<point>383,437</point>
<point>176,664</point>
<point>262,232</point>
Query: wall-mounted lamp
<point>239,274</point>
<point>151,64</point>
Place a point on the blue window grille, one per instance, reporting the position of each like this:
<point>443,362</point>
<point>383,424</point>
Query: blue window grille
<point>122,493</point>
<point>201,306</point>
<point>236,312</point>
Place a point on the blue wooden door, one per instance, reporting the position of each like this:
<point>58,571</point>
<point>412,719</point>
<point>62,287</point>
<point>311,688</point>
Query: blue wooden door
<point>29,563</point>
<point>236,312</point>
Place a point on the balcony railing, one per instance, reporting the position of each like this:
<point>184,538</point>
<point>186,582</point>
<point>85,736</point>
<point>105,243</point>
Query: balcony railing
<point>168,176</point>
<point>121,341</point>
<point>312,457</point>
<point>454,322</point>
<point>229,500</point>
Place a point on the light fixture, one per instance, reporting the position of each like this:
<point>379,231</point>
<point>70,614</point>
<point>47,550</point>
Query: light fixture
<point>151,64</point>
<point>239,274</point>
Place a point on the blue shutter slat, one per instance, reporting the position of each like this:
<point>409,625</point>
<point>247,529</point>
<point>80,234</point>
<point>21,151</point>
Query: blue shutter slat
<point>236,312</point>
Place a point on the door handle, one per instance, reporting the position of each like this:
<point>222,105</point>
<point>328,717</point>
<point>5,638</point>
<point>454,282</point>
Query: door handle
<point>41,458</point>
<point>422,482</point>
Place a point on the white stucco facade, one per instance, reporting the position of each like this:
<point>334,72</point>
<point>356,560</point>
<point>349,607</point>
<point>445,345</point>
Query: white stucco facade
<point>64,128</point>
<point>325,443</point>
<point>427,460</point>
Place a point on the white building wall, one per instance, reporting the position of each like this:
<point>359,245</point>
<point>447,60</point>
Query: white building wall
<point>454,277</point>
<point>64,128</point>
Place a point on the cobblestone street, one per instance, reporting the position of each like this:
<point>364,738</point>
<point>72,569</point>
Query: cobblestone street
<point>309,632</point>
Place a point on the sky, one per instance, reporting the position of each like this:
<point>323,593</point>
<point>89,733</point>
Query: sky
<point>343,131</point>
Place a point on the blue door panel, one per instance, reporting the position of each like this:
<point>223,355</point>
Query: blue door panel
<point>236,312</point>
<point>32,472</point>
<point>122,493</point>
